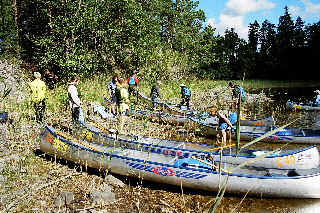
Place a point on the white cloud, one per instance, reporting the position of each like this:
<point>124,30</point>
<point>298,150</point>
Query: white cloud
<point>295,11</point>
<point>234,15</point>
<point>311,8</point>
<point>242,7</point>
<point>228,22</point>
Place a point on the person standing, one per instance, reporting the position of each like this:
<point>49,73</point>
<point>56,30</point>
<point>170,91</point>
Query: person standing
<point>74,100</point>
<point>185,96</point>
<point>155,94</point>
<point>112,87</point>
<point>238,93</point>
<point>225,124</point>
<point>124,103</point>
<point>38,95</point>
<point>133,83</point>
<point>124,97</point>
<point>317,98</point>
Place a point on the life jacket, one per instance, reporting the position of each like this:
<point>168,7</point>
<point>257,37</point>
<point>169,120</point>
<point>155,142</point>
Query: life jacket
<point>233,117</point>
<point>132,81</point>
<point>186,91</point>
<point>38,89</point>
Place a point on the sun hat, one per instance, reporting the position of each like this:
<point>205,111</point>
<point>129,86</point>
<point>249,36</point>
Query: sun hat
<point>182,85</point>
<point>37,75</point>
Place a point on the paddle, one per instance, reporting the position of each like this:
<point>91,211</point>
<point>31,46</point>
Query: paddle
<point>218,148</point>
<point>238,125</point>
<point>210,164</point>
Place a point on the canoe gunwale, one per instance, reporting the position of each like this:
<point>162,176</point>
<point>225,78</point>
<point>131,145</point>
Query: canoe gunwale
<point>297,151</point>
<point>206,171</point>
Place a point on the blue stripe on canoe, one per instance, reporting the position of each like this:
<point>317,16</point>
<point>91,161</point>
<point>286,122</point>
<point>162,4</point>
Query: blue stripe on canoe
<point>74,144</point>
<point>193,150</point>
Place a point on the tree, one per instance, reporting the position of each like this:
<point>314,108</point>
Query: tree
<point>299,37</point>
<point>267,52</point>
<point>8,27</point>
<point>253,36</point>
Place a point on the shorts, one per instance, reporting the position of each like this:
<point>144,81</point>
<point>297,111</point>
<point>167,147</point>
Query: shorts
<point>114,99</point>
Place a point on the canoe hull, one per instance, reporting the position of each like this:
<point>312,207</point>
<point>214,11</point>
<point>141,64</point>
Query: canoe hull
<point>305,158</point>
<point>124,163</point>
<point>295,106</point>
<point>287,136</point>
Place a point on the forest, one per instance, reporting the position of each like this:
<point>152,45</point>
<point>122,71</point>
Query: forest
<point>161,39</point>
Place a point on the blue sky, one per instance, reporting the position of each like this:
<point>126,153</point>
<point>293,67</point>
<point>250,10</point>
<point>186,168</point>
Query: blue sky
<point>238,14</point>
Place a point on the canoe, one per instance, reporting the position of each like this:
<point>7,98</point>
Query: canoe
<point>301,106</point>
<point>202,118</point>
<point>302,158</point>
<point>194,173</point>
<point>287,135</point>
<point>4,117</point>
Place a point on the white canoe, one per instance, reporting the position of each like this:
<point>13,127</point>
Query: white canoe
<point>303,158</point>
<point>287,135</point>
<point>202,118</point>
<point>192,173</point>
<point>301,106</point>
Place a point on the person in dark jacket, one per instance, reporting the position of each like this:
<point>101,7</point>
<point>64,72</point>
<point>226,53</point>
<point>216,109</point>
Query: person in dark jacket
<point>238,93</point>
<point>155,94</point>
<point>133,83</point>
<point>112,87</point>
<point>185,96</point>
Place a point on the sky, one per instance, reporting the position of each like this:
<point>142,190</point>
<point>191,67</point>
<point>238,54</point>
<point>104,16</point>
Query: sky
<point>238,14</point>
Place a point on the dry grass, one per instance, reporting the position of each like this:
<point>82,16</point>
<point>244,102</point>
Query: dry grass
<point>34,181</point>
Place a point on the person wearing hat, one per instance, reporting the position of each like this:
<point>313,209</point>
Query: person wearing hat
<point>238,93</point>
<point>133,83</point>
<point>317,99</point>
<point>74,100</point>
<point>114,94</point>
<point>38,95</point>
<point>185,96</point>
<point>155,94</point>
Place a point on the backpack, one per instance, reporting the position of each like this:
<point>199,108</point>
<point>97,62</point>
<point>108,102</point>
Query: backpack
<point>186,91</point>
<point>242,93</point>
<point>132,81</point>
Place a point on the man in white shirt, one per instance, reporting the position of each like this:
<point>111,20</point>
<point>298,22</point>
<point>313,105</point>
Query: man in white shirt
<point>74,100</point>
